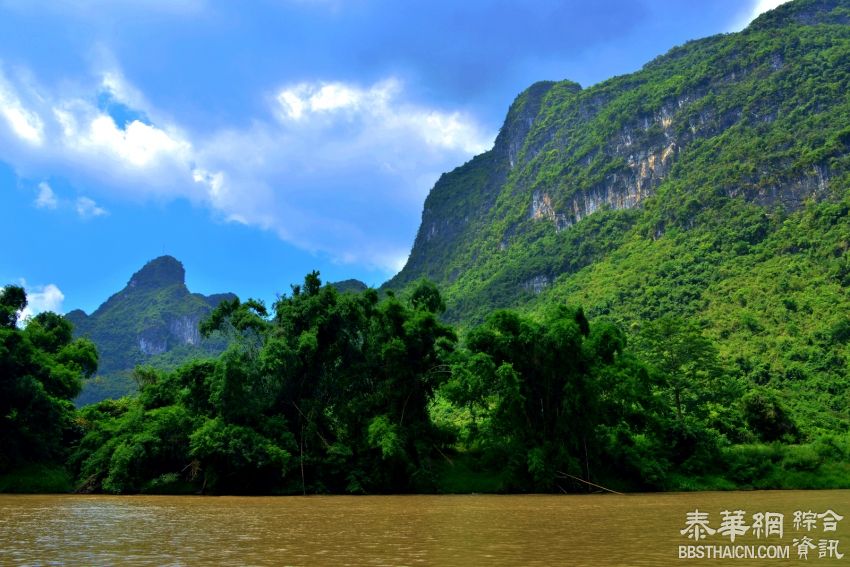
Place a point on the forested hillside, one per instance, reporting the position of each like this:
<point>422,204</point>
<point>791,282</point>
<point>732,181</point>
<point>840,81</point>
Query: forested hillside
<point>710,187</point>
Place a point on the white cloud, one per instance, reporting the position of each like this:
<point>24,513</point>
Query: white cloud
<point>91,136</point>
<point>41,298</point>
<point>379,108</point>
<point>88,209</point>
<point>114,83</point>
<point>334,168</point>
<point>85,207</point>
<point>138,145</point>
<point>46,197</point>
<point>69,135</point>
<point>24,123</point>
<point>758,7</point>
<point>342,171</point>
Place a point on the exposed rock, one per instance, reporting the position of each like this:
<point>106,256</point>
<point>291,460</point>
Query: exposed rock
<point>152,344</point>
<point>536,284</point>
<point>565,153</point>
<point>541,208</point>
<point>520,119</point>
<point>185,330</point>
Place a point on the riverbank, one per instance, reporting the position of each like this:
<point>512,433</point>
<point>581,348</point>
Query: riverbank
<point>744,467</point>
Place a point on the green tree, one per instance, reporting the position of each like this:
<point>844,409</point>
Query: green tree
<point>426,296</point>
<point>13,300</point>
<point>533,380</point>
<point>767,417</point>
<point>331,394</point>
<point>41,369</point>
<point>688,361</point>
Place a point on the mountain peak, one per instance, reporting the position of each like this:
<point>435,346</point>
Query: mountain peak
<point>804,12</point>
<point>154,320</point>
<point>159,272</point>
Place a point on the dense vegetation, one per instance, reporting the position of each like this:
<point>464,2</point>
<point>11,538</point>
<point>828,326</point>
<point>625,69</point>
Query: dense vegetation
<point>329,395</point>
<point>352,393</point>
<point>41,371</point>
<point>152,322</point>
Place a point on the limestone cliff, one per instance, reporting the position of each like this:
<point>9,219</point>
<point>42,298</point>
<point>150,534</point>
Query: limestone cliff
<point>752,119</point>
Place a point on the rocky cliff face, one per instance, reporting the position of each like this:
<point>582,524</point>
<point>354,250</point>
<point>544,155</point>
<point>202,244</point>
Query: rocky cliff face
<point>647,149</point>
<point>755,117</point>
<point>181,330</point>
<point>462,200</point>
<point>154,317</point>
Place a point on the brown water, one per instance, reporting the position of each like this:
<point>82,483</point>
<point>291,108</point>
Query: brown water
<point>472,530</point>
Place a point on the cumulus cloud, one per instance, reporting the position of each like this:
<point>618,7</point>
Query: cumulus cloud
<point>41,298</point>
<point>23,123</point>
<point>379,109</point>
<point>137,145</point>
<point>758,7</point>
<point>87,209</point>
<point>342,169</point>
<point>46,197</point>
<point>334,168</point>
<point>71,135</point>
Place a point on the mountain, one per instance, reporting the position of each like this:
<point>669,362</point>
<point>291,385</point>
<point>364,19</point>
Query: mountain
<point>711,185</point>
<point>153,320</point>
<point>349,286</point>
<point>739,132</point>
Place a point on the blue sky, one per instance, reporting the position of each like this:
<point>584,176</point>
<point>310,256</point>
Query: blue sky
<point>256,141</point>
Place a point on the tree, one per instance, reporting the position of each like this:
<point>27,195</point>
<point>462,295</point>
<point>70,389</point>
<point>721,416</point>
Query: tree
<point>356,376</point>
<point>426,296</point>
<point>41,368</point>
<point>688,360</point>
<point>330,394</point>
<point>13,299</point>
<point>532,378</point>
<point>767,417</point>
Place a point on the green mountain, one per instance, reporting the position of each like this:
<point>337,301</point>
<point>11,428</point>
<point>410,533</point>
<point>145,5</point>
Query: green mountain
<point>349,286</point>
<point>711,186</point>
<point>152,321</point>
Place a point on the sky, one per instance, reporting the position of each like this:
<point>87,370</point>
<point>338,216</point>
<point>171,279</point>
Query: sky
<point>257,141</point>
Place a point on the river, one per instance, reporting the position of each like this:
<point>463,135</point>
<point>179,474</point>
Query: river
<point>598,530</point>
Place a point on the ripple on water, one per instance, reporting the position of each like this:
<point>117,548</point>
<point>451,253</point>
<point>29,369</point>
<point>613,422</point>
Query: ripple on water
<point>393,530</point>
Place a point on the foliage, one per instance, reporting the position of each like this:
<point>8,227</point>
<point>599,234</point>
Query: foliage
<point>329,394</point>
<point>41,369</point>
<point>37,479</point>
<point>349,393</point>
